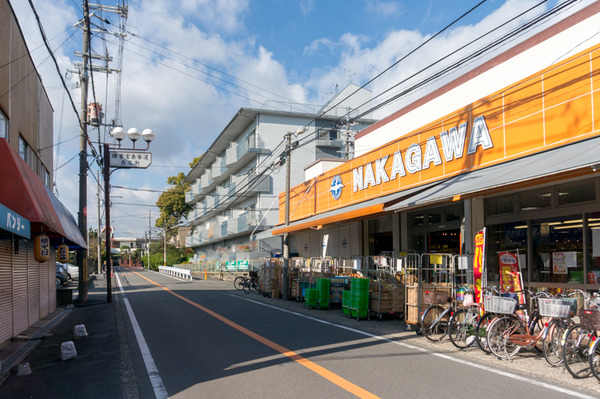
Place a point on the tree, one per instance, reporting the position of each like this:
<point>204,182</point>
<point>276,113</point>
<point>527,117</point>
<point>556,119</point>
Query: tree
<point>195,161</point>
<point>172,205</point>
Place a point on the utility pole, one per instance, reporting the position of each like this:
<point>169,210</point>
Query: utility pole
<point>99,267</point>
<point>165,249</point>
<point>84,71</point>
<point>149,236</point>
<point>286,248</point>
<point>82,214</point>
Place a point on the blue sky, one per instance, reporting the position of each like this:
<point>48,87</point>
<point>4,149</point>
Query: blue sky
<point>189,65</point>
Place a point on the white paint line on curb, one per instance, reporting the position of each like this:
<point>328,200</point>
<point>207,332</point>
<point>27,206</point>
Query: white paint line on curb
<point>157,383</point>
<point>441,355</point>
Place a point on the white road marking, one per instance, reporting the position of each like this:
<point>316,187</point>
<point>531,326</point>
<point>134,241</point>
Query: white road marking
<point>157,383</point>
<point>443,356</point>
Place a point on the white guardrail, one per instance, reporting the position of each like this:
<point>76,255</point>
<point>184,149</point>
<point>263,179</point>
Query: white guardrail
<point>174,271</point>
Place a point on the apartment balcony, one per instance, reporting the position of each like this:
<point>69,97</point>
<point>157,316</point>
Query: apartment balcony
<point>329,138</point>
<point>219,169</point>
<point>192,194</point>
<point>239,154</point>
<point>247,221</point>
<point>206,181</point>
<point>232,226</point>
<point>194,240</point>
<point>249,185</point>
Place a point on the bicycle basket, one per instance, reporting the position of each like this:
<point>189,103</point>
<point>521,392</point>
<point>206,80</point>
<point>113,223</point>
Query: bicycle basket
<point>436,297</point>
<point>499,304</point>
<point>555,307</point>
<point>590,319</point>
<point>253,273</point>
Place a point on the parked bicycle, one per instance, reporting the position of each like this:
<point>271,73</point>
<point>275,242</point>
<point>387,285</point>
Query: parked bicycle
<point>578,341</point>
<point>248,282</point>
<point>435,320</point>
<point>508,333</point>
<point>463,322</point>
<point>486,319</point>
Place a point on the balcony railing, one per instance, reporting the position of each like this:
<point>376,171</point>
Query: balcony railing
<point>219,167</point>
<point>248,220</point>
<point>238,154</point>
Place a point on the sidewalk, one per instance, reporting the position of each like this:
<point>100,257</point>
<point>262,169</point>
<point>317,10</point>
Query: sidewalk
<point>94,373</point>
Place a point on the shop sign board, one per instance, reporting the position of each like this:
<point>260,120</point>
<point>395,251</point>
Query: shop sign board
<point>510,274</point>
<point>230,265</point>
<point>130,159</point>
<point>479,265</point>
<point>522,119</point>
<point>242,265</point>
<point>13,222</point>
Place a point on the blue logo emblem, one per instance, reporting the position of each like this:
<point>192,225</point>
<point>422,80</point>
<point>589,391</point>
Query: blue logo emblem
<point>336,187</point>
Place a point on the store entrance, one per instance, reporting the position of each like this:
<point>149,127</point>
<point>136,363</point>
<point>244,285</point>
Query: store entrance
<point>445,241</point>
<point>381,243</point>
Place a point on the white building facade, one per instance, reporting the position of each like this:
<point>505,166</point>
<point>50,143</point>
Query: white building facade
<point>236,183</point>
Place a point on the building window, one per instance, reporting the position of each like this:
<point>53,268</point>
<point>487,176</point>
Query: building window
<point>3,126</point>
<point>23,149</point>
<point>574,193</point>
<point>536,199</point>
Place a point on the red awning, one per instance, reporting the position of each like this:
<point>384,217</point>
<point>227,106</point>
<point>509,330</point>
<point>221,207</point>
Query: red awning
<point>25,193</point>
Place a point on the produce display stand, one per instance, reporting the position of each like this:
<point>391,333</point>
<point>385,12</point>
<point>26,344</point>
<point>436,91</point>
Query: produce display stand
<point>423,273</point>
<point>386,298</point>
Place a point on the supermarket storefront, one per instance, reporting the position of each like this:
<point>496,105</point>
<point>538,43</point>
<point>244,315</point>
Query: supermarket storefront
<point>523,162</point>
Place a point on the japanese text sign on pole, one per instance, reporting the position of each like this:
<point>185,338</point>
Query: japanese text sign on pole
<point>479,264</point>
<point>130,159</point>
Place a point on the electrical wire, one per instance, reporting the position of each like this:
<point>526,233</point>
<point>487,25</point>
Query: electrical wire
<point>487,48</point>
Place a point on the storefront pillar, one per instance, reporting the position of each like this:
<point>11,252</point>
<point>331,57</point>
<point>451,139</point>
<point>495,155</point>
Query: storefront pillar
<point>404,231</point>
<point>396,233</point>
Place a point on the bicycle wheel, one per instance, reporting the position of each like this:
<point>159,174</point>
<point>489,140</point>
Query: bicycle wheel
<point>250,286</point>
<point>575,351</point>
<point>552,344</point>
<point>238,283</point>
<point>498,335</point>
<point>481,331</point>
<point>462,326</point>
<point>435,323</point>
<point>595,359</point>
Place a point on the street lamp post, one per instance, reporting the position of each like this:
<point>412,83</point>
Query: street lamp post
<point>286,248</point>
<point>121,158</point>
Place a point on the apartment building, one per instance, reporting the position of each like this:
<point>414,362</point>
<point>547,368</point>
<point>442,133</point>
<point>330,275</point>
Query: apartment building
<point>236,183</point>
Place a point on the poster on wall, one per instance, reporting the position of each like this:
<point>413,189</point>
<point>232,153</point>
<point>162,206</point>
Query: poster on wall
<point>479,264</point>
<point>559,263</point>
<point>510,274</point>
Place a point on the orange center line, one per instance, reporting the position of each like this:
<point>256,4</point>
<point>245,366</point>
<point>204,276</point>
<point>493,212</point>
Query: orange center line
<point>322,371</point>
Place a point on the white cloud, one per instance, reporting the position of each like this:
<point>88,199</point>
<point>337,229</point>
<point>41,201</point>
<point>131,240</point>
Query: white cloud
<point>384,9</point>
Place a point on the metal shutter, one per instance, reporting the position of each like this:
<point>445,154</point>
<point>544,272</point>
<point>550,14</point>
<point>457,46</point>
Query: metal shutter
<point>6,301</point>
<point>20,306</point>
<point>33,285</point>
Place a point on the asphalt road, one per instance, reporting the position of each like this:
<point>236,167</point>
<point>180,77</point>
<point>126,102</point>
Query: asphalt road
<point>202,339</point>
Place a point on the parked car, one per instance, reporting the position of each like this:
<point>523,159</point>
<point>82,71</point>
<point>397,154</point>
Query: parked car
<point>62,277</point>
<point>72,270</point>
